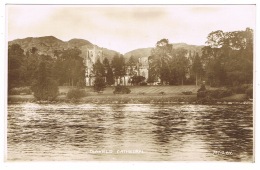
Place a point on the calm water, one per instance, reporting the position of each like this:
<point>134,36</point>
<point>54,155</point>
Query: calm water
<point>135,132</point>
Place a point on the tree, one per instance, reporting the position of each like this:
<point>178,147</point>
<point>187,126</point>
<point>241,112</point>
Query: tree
<point>31,65</point>
<point>44,88</point>
<point>118,66</point>
<point>169,64</point>
<point>99,69</point>
<point>106,63</point>
<point>99,84</point>
<point>160,59</point>
<point>136,80</point>
<point>228,58</point>
<point>110,77</point>
<point>178,66</point>
<point>16,60</point>
<point>132,63</point>
<point>69,67</point>
<point>197,67</point>
<point>108,72</point>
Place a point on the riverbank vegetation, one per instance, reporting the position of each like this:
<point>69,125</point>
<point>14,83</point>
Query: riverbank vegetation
<point>139,94</point>
<point>226,63</point>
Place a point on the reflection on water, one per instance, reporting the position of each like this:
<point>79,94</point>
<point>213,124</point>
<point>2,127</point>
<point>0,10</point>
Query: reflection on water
<point>130,132</point>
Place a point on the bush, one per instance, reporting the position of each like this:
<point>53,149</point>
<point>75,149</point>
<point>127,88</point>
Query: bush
<point>187,92</point>
<point>137,80</point>
<point>201,94</point>
<point>44,87</point>
<point>121,90</point>
<point>99,84</point>
<point>20,91</point>
<point>46,91</point>
<point>143,84</point>
<point>249,92</point>
<point>76,94</point>
<point>217,94</point>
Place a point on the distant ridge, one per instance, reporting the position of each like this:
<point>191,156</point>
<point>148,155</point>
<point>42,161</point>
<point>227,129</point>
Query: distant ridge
<point>48,44</point>
<point>146,52</point>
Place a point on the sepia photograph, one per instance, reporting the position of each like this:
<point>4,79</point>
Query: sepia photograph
<point>170,83</point>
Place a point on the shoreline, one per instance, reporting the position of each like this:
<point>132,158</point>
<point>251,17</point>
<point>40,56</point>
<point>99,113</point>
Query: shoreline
<point>132,99</point>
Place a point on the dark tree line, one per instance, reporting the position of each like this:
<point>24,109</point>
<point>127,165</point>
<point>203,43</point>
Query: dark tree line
<point>107,72</point>
<point>227,60</point>
<point>69,68</point>
<point>44,73</point>
<point>16,60</point>
<point>168,64</point>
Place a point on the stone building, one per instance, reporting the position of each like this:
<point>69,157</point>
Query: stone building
<point>143,67</point>
<point>90,57</point>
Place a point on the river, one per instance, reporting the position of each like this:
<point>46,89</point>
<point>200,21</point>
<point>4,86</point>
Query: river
<point>129,132</point>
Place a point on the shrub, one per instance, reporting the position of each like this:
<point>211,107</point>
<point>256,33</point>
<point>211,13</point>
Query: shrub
<point>201,94</point>
<point>121,90</point>
<point>135,80</point>
<point>20,90</point>
<point>99,84</point>
<point>202,88</point>
<point>143,84</point>
<point>187,92</point>
<point>44,87</point>
<point>249,92</point>
<point>76,93</point>
<point>219,93</point>
<point>46,91</point>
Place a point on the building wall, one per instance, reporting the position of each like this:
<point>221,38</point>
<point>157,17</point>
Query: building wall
<point>90,57</point>
<point>143,67</point>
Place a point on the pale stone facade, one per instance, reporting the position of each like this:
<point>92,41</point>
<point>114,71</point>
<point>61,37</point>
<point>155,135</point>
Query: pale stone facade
<point>92,55</point>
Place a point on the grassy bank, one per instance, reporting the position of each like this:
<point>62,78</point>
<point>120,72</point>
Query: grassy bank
<point>138,95</point>
<point>118,98</point>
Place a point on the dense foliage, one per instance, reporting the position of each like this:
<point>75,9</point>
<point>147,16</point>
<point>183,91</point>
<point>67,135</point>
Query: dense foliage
<point>137,80</point>
<point>42,72</point>
<point>44,87</point>
<point>226,60</point>
<point>69,68</point>
<point>168,64</point>
<point>109,75</point>
<point>118,66</point>
<point>16,59</point>
<point>99,84</point>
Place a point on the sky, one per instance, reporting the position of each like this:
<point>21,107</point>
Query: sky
<point>127,27</point>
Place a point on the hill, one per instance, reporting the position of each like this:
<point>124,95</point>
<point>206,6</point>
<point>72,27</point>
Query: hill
<point>49,44</point>
<point>146,52</point>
